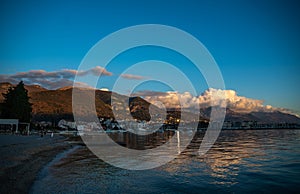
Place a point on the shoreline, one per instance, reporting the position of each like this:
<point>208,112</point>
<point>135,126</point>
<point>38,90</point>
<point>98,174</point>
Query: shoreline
<point>23,157</point>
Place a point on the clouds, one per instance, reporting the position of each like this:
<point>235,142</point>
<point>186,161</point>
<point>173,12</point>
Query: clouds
<point>211,97</point>
<point>54,79</point>
<point>97,71</point>
<point>232,100</point>
<point>170,99</point>
<point>61,78</point>
<point>130,76</point>
<point>64,73</point>
<point>37,74</point>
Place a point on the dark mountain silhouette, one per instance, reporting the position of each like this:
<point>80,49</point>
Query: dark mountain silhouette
<point>31,88</point>
<point>260,117</point>
<point>53,105</point>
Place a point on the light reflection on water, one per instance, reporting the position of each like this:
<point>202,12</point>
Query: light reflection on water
<point>244,161</point>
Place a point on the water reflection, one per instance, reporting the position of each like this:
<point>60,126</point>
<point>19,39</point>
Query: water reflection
<point>141,142</point>
<point>233,150</point>
<point>263,160</point>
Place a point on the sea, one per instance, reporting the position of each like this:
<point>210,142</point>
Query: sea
<point>240,161</point>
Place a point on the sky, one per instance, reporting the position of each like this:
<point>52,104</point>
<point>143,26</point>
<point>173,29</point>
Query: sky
<point>256,44</point>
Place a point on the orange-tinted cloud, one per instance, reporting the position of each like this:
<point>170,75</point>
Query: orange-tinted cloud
<point>54,79</point>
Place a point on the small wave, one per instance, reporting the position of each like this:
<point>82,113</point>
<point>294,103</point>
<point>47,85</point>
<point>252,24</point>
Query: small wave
<point>45,171</point>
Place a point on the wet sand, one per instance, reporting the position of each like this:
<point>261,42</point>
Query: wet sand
<point>22,157</point>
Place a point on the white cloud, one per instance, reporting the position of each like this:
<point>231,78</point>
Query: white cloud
<point>211,97</point>
<point>104,89</point>
<point>170,99</point>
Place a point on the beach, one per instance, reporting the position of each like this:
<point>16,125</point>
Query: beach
<point>240,161</point>
<point>22,157</point>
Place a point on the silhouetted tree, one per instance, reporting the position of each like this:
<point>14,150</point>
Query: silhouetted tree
<point>16,104</point>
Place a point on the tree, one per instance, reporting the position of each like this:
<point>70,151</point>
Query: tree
<point>16,104</point>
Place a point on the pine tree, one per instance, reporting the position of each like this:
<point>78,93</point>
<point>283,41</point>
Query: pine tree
<point>16,104</point>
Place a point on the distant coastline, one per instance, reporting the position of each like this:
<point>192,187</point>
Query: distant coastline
<point>52,110</point>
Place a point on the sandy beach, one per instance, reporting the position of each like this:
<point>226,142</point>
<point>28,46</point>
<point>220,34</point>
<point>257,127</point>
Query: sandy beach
<point>22,157</point>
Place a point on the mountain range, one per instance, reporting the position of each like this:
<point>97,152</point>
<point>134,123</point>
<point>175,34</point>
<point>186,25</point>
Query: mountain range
<point>49,105</point>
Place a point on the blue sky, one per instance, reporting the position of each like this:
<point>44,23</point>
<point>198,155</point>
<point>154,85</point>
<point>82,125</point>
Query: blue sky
<point>255,43</point>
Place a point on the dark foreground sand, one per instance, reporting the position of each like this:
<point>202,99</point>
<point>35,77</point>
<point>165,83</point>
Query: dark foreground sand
<point>22,157</point>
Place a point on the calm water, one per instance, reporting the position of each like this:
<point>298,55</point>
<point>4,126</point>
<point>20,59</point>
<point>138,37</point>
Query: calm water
<point>261,161</point>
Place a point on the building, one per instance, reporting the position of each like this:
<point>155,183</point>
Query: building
<point>9,124</point>
<point>14,126</point>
